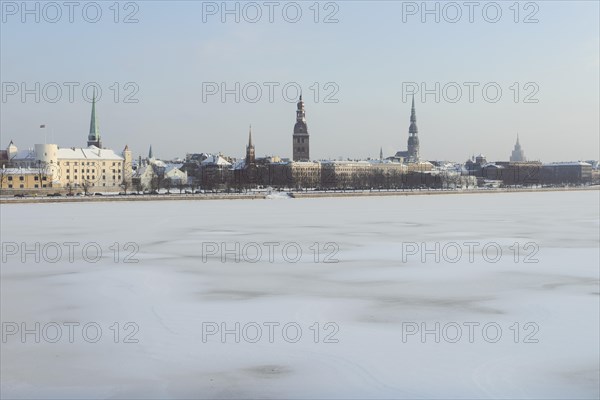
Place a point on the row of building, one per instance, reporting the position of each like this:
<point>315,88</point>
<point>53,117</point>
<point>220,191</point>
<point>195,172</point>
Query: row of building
<point>96,168</point>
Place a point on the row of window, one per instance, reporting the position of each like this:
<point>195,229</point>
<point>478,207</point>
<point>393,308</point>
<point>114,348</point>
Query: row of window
<point>87,163</point>
<point>21,186</point>
<point>93,171</point>
<point>93,177</point>
<point>22,178</point>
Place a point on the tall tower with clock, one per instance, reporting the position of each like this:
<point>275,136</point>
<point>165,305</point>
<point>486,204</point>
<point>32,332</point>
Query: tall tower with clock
<point>301,138</point>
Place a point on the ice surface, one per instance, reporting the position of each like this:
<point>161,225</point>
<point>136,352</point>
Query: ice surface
<point>371,295</point>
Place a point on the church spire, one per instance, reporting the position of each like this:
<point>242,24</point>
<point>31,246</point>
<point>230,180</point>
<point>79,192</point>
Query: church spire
<point>381,153</point>
<point>250,154</point>
<point>94,135</point>
<point>413,130</point>
<point>150,154</point>
<point>413,137</point>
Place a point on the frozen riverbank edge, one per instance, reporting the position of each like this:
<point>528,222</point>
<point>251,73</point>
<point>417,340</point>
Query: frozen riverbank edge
<point>263,196</point>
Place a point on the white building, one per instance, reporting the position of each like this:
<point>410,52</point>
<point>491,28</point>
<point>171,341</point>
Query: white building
<point>75,167</point>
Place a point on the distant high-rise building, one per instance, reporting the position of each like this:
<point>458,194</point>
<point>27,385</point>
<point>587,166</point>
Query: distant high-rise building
<point>301,137</point>
<point>518,155</point>
<point>94,135</point>
<point>250,154</point>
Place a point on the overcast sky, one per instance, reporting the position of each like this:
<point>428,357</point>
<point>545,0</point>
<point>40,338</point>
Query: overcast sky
<point>356,63</point>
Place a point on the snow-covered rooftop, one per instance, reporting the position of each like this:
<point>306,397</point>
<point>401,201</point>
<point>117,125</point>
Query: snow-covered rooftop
<point>565,163</point>
<point>218,160</point>
<point>20,171</point>
<point>90,153</point>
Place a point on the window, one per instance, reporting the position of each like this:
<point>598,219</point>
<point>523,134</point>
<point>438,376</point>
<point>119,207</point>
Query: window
<point>10,178</point>
<point>36,186</point>
<point>104,177</point>
<point>75,164</point>
<point>21,186</point>
<point>37,178</point>
<point>68,170</point>
<point>21,178</point>
<point>43,186</point>
<point>44,178</point>
<point>103,171</point>
<point>10,186</point>
<point>67,177</point>
<point>75,177</point>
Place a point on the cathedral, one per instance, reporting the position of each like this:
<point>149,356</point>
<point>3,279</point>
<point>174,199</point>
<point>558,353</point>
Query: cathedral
<point>301,138</point>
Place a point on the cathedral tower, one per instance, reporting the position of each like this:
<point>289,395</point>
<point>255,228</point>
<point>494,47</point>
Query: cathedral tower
<point>301,138</point>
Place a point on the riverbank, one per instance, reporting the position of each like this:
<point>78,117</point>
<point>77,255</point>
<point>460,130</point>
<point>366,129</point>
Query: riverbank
<point>278,195</point>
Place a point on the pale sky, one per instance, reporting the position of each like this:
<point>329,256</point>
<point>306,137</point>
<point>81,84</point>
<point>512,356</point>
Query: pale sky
<point>367,61</point>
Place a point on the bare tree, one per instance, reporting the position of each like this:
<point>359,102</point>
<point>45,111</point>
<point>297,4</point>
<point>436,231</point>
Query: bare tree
<point>138,185</point>
<point>125,185</point>
<point>86,185</point>
<point>167,184</point>
<point>181,185</point>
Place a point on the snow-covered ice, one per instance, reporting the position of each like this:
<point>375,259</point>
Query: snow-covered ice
<point>355,315</point>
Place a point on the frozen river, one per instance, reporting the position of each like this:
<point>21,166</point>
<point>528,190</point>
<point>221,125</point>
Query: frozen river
<point>458,296</point>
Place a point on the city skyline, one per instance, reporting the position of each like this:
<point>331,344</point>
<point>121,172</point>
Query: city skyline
<point>172,74</point>
<point>94,138</point>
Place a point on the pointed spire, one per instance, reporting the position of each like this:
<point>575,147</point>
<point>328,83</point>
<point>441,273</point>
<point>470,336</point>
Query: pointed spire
<point>381,153</point>
<point>94,134</point>
<point>250,137</point>
<point>150,154</point>
<point>413,130</point>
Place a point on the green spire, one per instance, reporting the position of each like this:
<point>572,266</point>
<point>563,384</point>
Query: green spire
<point>94,130</point>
